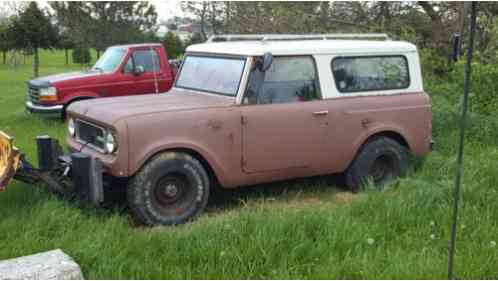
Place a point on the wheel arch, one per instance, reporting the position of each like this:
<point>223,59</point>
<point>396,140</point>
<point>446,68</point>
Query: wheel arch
<point>392,133</point>
<point>206,162</point>
<point>75,98</point>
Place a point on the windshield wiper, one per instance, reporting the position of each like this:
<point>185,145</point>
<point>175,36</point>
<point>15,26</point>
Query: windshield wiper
<point>98,68</point>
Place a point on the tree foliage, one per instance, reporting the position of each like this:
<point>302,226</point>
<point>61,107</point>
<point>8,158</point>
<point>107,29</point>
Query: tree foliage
<point>32,31</point>
<point>6,41</point>
<point>101,24</point>
<point>173,45</point>
<point>81,55</point>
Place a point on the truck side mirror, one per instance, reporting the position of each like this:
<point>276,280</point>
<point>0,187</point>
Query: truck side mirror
<point>139,69</point>
<point>266,62</point>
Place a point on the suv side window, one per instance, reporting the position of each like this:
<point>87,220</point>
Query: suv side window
<point>372,73</point>
<point>289,79</point>
<point>149,59</point>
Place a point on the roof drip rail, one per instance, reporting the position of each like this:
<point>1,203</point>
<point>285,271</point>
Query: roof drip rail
<point>281,37</point>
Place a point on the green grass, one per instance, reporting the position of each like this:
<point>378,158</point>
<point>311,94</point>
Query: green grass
<point>292,230</point>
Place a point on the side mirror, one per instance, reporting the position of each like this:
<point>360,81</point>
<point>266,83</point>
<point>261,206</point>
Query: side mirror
<point>139,69</point>
<point>265,62</point>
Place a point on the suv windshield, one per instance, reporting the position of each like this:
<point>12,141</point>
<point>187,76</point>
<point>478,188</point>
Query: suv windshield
<point>110,60</point>
<point>220,75</point>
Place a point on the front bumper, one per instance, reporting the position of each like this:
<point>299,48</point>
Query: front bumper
<point>43,109</point>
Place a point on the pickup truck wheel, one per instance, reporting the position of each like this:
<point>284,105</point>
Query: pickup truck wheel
<point>171,189</point>
<point>379,161</point>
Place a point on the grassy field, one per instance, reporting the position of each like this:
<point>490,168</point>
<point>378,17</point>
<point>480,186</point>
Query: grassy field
<point>292,230</point>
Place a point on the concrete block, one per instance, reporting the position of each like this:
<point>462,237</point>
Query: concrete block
<point>49,265</point>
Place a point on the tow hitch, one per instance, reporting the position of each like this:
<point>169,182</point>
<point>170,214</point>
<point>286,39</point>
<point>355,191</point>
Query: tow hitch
<point>76,175</point>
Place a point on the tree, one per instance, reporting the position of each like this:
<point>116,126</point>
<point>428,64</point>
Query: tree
<point>5,39</point>
<point>101,24</point>
<point>66,43</point>
<point>81,55</point>
<point>33,31</point>
<point>194,39</point>
<point>200,10</point>
<point>173,45</point>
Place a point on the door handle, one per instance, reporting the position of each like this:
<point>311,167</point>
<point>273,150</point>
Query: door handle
<point>322,112</point>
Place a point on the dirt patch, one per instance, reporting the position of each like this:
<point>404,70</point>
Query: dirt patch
<point>345,197</point>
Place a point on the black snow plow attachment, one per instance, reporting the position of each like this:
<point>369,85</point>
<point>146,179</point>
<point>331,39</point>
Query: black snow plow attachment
<point>74,175</point>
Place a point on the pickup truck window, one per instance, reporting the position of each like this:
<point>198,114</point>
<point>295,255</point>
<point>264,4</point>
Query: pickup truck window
<point>289,79</point>
<point>110,60</point>
<point>219,75</point>
<point>373,73</point>
<point>149,59</point>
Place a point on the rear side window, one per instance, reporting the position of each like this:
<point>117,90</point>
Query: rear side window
<point>358,74</point>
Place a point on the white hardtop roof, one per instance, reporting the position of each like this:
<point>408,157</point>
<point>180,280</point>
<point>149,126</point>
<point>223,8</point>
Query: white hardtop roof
<point>303,47</point>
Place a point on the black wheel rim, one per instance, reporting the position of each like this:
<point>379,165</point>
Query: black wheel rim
<point>173,194</point>
<point>382,169</point>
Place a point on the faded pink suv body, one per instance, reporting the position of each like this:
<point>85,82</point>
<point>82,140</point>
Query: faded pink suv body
<point>250,144</point>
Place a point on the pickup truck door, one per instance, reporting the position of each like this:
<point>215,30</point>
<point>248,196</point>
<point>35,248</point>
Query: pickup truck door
<point>284,126</point>
<point>143,83</point>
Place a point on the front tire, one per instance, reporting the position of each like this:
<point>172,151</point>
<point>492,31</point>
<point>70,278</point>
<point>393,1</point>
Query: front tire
<point>172,188</point>
<point>379,161</point>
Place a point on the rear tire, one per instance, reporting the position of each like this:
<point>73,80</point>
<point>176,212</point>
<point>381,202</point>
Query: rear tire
<point>172,188</point>
<point>380,161</point>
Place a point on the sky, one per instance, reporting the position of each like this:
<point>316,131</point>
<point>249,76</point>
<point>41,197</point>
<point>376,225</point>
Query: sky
<point>168,9</point>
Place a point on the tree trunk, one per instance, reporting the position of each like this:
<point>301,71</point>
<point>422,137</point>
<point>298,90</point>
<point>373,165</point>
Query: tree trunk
<point>35,63</point>
<point>203,20</point>
<point>4,57</point>
<point>227,17</point>
<point>66,52</point>
<point>98,53</point>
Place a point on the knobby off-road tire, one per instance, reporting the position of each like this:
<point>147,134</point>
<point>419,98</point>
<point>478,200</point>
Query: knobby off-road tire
<point>380,160</point>
<point>172,188</point>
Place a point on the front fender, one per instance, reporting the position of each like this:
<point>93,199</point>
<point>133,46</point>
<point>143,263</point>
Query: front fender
<point>210,158</point>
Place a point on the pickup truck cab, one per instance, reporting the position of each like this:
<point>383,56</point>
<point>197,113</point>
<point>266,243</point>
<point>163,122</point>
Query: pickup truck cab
<point>121,71</point>
<point>256,111</point>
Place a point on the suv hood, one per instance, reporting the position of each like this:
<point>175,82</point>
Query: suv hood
<point>111,110</point>
<point>52,80</point>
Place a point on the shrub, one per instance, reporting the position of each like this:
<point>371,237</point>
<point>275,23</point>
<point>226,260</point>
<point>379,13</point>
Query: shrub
<point>484,86</point>
<point>173,45</point>
<point>81,55</point>
<point>434,62</point>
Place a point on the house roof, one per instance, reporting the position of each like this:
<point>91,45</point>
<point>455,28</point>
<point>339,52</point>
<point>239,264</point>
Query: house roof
<point>301,47</point>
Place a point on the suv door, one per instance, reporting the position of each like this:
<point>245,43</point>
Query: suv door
<point>142,83</point>
<point>283,118</point>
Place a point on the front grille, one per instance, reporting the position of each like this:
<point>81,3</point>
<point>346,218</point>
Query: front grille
<point>33,94</point>
<point>90,135</point>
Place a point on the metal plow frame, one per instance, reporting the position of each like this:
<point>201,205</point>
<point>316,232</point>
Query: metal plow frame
<point>10,160</point>
<point>74,175</point>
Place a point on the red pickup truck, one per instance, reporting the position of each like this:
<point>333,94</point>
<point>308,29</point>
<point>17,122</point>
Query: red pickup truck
<point>121,71</point>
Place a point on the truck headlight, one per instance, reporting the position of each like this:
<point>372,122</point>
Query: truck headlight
<point>110,143</point>
<point>71,127</point>
<point>48,94</point>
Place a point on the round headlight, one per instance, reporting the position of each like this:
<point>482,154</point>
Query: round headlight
<point>71,127</point>
<point>110,143</point>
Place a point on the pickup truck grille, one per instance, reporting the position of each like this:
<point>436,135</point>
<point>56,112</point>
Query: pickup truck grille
<point>90,135</point>
<point>33,94</point>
